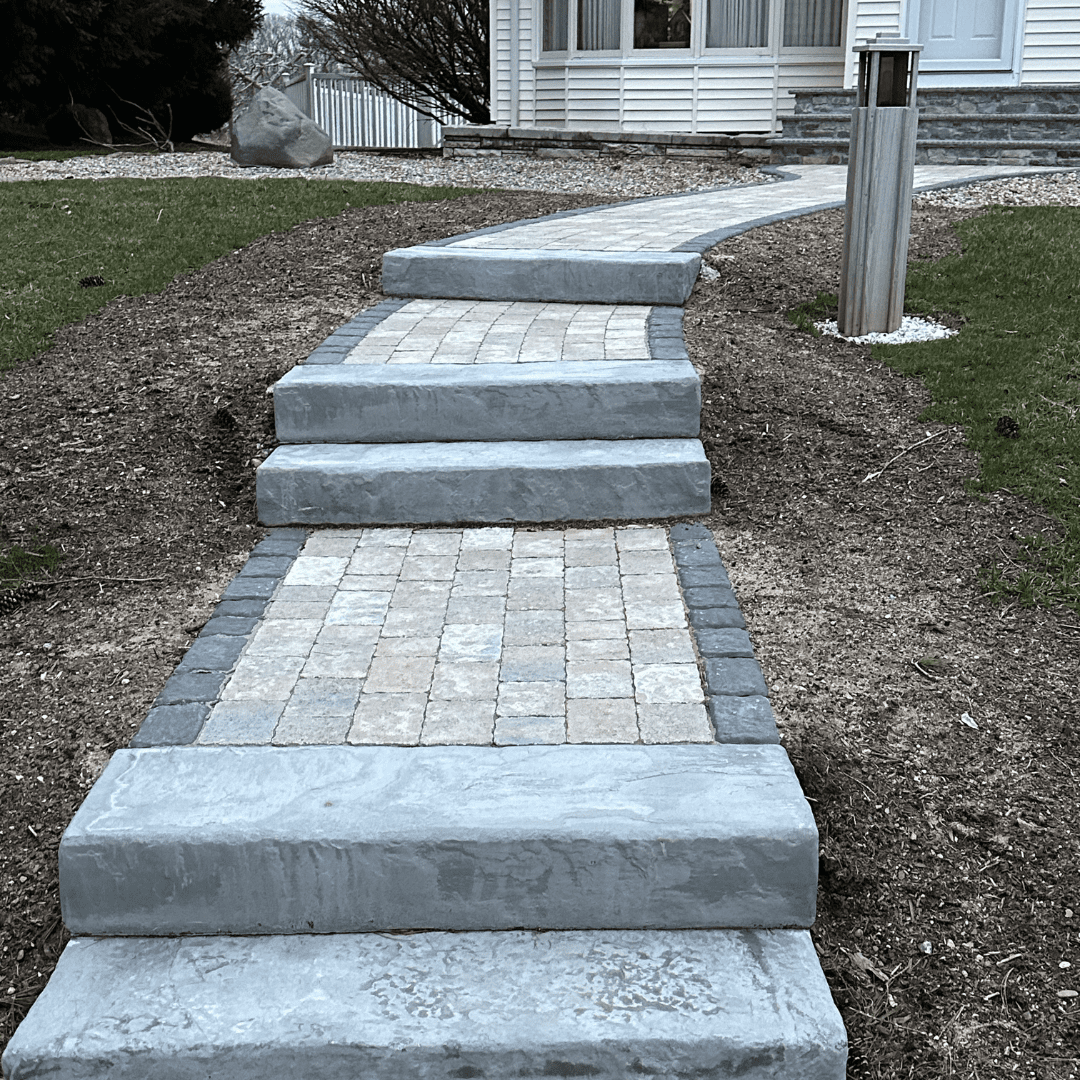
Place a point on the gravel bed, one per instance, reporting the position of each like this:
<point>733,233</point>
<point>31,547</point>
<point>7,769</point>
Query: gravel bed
<point>1054,189</point>
<point>912,328</point>
<point>628,179</point>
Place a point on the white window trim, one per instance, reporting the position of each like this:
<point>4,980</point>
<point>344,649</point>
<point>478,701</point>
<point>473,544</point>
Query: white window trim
<point>697,48</point>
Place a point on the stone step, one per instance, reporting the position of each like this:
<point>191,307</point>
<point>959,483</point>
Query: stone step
<point>547,274</point>
<point>429,482</point>
<point>595,399</point>
<point>834,151</point>
<point>607,1005</point>
<point>330,839</point>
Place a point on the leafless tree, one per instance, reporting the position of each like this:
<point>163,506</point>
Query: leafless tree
<point>430,54</point>
<point>280,47</point>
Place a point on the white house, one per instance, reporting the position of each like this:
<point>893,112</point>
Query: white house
<point>704,67</point>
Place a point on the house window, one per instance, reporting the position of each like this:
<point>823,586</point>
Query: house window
<point>738,24</point>
<point>598,25</point>
<point>659,25</point>
<point>813,23</point>
<point>556,25</point>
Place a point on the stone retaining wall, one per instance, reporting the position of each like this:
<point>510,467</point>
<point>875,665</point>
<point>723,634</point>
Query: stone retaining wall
<point>461,142</point>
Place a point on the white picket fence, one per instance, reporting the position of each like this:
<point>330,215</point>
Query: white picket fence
<point>357,115</point>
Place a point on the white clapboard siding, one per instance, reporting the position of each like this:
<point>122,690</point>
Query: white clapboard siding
<point>735,98</point>
<point>867,19</point>
<point>658,97</point>
<point>593,95</point>
<point>550,95</point>
<point>1051,43</point>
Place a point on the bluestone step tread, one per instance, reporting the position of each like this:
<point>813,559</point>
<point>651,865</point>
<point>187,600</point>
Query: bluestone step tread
<point>331,839</point>
<point>607,1005</point>
<point>595,399</point>
<point>555,480</point>
<point>505,273</point>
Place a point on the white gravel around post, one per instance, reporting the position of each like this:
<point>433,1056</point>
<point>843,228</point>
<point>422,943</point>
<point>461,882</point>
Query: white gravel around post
<point>912,329</point>
<point>1054,189</point>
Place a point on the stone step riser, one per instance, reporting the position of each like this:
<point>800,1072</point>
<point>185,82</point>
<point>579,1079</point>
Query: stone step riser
<point>349,403</point>
<point>549,276</point>
<point>483,482</point>
<point>267,840</point>
<point>752,1005</point>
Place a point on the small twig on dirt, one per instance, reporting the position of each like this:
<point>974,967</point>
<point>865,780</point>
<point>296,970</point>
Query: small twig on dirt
<point>75,580</point>
<point>906,450</point>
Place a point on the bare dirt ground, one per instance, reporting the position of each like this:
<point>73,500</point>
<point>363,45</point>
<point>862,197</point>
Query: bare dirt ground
<point>949,858</point>
<point>950,865</point>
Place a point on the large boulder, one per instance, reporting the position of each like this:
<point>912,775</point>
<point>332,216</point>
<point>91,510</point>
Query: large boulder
<point>273,131</point>
<point>73,124</point>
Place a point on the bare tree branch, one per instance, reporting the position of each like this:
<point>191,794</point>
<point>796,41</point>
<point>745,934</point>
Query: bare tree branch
<point>429,54</point>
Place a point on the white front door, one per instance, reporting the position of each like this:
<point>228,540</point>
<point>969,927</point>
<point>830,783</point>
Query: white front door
<point>965,35</point>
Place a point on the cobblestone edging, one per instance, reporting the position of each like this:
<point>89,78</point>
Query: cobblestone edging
<point>181,709</point>
<point>344,339</point>
<point>664,329</point>
<point>736,694</point>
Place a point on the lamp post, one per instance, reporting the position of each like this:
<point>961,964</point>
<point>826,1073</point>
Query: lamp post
<point>881,173</point>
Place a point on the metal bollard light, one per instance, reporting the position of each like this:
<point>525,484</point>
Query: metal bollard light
<point>881,173</point>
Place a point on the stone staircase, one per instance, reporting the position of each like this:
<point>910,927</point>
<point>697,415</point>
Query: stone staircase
<point>554,386</point>
<point>991,126</point>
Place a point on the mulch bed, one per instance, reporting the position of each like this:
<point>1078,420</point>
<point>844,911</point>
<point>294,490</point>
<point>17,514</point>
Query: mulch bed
<point>132,445</point>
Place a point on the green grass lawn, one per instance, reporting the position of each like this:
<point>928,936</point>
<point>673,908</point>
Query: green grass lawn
<point>138,235</point>
<point>1018,285</point>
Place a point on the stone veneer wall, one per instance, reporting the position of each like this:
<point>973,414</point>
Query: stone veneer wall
<point>567,143</point>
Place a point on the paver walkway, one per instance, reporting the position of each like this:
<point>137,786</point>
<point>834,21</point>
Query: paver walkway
<point>382,729</point>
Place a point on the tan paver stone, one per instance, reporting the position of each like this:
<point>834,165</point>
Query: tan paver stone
<point>465,680</point>
<point>483,559</point>
<point>530,731</point>
<point>641,539</point>
<point>284,637</point>
<point>241,723</point>
<point>666,615</point>
<point>401,622</point>
<point>388,720</point>
<point>674,723</point>
<point>348,635</point>
<point>331,661</point>
<point>467,723</point>
<point>326,543</point>
<point>407,646</point>
<point>533,663</point>
<point>593,605</point>
<point>399,675</point>
<point>614,648</point>
<point>471,641</point>
<point>531,699</point>
<point>428,567</point>
<point>434,542</point>
<point>536,567</point>
<point>280,609</point>
<point>535,594</point>
<point>422,594</point>
<point>646,562</point>
<point>661,647</point>
<point>368,583</point>
<point>667,683</point>
<point>475,609</point>
<point>301,594</point>
<point>269,678</point>
<point>480,582</point>
<point>376,559</point>
<point>599,679</point>
<point>601,720</point>
<point>590,554</point>
<point>486,539</point>
<point>358,608</point>
<point>537,545</point>
<point>593,577</point>
<point>531,627</point>
<point>308,570</point>
<point>646,588</point>
<point>590,631</point>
